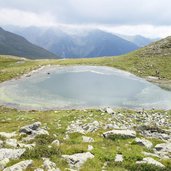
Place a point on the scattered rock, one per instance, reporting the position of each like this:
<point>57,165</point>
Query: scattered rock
<point>11,142</point>
<point>149,160</point>
<point>20,166</point>
<point>56,142</point>
<point>8,135</point>
<point>144,142</point>
<point>87,139</point>
<point>109,110</point>
<point>11,153</point>
<point>77,160</point>
<point>3,163</point>
<point>122,133</point>
<point>90,147</point>
<point>119,158</point>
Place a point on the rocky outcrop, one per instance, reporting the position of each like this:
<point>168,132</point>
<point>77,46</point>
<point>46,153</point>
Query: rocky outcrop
<point>121,133</point>
<point>19,166</point>
<point>11,142</point>
<point>75,161</point>
<point>149,160</point>
<point>144,142</point>
<point>11,153</point>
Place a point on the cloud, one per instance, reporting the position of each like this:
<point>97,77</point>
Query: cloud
<point>148,17</point>
<point>24,18</point>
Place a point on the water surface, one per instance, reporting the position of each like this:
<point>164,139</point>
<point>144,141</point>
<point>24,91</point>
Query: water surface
<point>82,87</point>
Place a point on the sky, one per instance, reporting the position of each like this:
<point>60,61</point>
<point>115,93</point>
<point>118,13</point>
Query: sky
<point>151,18</point>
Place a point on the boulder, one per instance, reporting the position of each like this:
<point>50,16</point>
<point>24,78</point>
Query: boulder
<point>87,139</point>
<point>75,161</point>
<point>122,133</point>
<point>119,158</point>
<point>11,153</point>
<point>23,165</point>
<point>8,135</point>
<point>3,163</point>
<point>11,142</point>
<point>149,160</point>
<point>164,147</point>
<point>32,131</point>
<point>30,128</point>
<point>49,165</point>
<point>141,141</point>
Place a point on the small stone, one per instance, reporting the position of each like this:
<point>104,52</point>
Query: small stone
<point>119,158</point>
<point>90,147</point>
<point>56,142</point>
<point>49,165</point>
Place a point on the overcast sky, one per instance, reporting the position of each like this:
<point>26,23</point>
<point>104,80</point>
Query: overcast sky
<point>150,18</point>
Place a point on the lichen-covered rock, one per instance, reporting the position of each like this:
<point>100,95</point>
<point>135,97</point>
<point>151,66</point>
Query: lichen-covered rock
<point>49,165</point>
<point>87,139</point>
<point>141,141</point>
<point>77,160</point>
<point>8,135</point>
<point>23,165</point>
<point>11,142</point>
<point>149,160</point>
<point>122,133</point>
<point>3,163</point>
<point>11,153</point>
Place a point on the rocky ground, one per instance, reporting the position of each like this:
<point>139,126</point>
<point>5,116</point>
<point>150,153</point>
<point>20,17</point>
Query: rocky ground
<point>85,140</point>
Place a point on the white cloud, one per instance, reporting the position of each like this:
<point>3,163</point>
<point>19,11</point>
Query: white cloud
<point>24,18</point>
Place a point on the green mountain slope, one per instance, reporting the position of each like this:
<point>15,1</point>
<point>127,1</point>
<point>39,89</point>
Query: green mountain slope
<point>12,44</point>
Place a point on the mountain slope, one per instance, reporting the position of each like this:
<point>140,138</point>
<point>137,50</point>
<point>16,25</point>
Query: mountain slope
<point>12,44</point>
<point>89,43</point>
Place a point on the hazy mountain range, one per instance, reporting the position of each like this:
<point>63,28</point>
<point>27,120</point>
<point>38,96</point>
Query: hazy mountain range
<point>54,42</point>
<point>77,44</point>
<point>12,44</point>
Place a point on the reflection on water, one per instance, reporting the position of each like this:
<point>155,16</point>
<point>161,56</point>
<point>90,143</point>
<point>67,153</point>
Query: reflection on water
<point>82,86</point>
